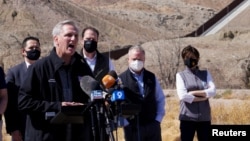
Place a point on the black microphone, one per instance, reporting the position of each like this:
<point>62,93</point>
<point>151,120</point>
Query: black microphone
<point>91,87</point>
<point>97,104</point>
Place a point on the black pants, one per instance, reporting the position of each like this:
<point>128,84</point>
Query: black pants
<point>188,129</point>
<point>147,132</point>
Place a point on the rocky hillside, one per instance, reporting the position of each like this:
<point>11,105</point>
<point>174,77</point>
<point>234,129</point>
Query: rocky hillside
<point>155,24</point>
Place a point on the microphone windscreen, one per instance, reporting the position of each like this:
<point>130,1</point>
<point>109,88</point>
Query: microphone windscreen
<point>109,80</point>
<point>88,84</point>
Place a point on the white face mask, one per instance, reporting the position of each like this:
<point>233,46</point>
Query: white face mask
<point>136,65</point>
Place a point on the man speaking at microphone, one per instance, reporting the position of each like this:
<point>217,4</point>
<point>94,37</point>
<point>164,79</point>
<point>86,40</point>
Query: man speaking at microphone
<point>51,84</point>
<point>142,87</point>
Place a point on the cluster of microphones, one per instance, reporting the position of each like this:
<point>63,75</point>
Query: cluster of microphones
<point>107,104</point>
<point>107,99</point>
<point>110,90</point>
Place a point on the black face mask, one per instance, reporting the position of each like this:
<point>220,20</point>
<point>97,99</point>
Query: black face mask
<point>190,62</point>
<point>90,46</point>
<point>33,54</point>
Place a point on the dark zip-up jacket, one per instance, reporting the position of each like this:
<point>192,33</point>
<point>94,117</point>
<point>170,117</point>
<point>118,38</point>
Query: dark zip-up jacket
<point>41,92</point>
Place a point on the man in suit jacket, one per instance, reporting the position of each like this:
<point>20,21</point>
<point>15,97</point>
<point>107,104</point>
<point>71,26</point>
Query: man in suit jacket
<point>3,98</point>
<point>15,120</point>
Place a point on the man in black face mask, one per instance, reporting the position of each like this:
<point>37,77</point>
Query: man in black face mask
<point>98,63</point>
<point>15,120</point>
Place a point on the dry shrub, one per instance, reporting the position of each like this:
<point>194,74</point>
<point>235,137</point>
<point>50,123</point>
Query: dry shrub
<point>170,123</point>
<point>231,111</point>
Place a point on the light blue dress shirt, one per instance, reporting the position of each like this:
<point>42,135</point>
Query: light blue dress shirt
<point>159,96</point>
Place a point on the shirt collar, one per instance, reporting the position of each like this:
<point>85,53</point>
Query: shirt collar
<point>135,74</point>
<point>27,63</point>
<point>90,59</point>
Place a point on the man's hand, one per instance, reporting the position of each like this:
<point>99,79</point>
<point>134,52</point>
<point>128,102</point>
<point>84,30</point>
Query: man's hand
<point>71,104</point>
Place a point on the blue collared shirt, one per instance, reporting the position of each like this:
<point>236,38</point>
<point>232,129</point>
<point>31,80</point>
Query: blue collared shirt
<point>159,96</point>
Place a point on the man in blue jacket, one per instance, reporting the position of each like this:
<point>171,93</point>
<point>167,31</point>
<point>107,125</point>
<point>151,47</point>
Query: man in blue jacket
<point>54,82</point>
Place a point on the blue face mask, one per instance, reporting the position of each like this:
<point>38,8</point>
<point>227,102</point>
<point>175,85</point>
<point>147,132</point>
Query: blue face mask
<point>190,62</point>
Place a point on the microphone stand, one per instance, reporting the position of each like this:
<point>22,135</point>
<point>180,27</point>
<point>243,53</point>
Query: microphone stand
<point>97,130</point>
<point>92,123</point>
<point>99,110</point>
<point>102,127</point>
<point>108,127</point>
<point>117,116</point>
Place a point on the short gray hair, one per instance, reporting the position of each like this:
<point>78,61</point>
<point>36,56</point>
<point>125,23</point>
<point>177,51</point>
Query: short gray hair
<point>58,27</point>
<point>138,48</point>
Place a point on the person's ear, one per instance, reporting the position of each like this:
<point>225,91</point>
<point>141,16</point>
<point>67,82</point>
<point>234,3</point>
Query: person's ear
<point>23,52</point>
<point>82,41</point>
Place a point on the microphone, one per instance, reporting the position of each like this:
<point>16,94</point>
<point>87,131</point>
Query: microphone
<point>113,85</point>
<point>109,80</point>
<point>96,95</point>
<point>94,90</point>
<point>91,87</point>
<point>118,95</point>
